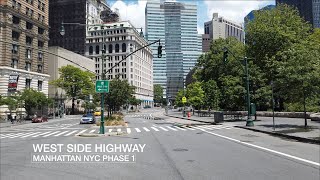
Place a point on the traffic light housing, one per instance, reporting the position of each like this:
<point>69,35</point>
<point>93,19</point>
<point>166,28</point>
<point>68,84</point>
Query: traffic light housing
<point>159,51</point>
<point>225,55</point>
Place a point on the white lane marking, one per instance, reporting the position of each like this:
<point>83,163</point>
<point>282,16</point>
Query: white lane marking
<point>30,134</point>
<point>138,130</point>
<point>42,134</point>
<point>20,134</point>
<point>128,130</point>
<point>110,130</point>
<point>118,130</point>
<point>188,127</point>
<point>6,135</point>
<point>72,132</point>
<point>171,128</point>
<point>198,128</point>
<point>155,129</point>
<point>61,133</point>
<point>51,133</point>
<point>92,131</point>
<point>265,149</point>
<point>163,128</point>
<point>81,132</point>
<point>146,129</point>
<point>180,128</point>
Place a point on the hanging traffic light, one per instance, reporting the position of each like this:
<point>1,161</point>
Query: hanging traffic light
<point>225,55</point>
<point>159,51</point>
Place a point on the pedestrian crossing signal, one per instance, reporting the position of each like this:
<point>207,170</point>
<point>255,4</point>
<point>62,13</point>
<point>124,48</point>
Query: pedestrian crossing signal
<point>225,55</point>
<point>159,51</point>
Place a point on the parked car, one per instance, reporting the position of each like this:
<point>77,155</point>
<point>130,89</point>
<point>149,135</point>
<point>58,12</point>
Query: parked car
<point>97,113</point>
<point>39,119</point>
<point>87,119</point>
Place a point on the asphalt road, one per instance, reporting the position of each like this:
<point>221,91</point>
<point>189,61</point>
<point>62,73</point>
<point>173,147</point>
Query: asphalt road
<point>201,152</point>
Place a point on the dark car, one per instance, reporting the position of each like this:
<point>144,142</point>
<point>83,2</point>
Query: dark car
<point>39,119</point>
<point>88,119</point>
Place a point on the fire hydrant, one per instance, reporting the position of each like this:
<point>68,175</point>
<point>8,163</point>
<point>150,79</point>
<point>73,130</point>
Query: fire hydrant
<point>189,114</point>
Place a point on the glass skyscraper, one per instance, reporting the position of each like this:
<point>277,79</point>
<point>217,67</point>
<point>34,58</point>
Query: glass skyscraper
<point>175,24</point>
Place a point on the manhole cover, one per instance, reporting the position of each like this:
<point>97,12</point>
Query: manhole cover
<point>199,133</point>
<point>190,160</point>
<point>180,149</point>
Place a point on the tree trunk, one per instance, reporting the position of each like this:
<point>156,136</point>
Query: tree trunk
<point>72,109</point>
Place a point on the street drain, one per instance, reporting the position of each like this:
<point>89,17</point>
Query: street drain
<point>180,149</point>
<point>190,160</point>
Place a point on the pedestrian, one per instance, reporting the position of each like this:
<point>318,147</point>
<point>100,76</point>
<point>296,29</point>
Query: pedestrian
<point>10,118</point>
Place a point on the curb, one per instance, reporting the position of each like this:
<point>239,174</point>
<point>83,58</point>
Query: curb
<point>300,139</point>
<point>192,119</point>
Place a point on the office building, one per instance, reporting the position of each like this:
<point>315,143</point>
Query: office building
<point>175,24</point>
<point>220,27</point>
<point>23,36</point>
<point>120,39</point>
<point>206,40</point>
<point>308,9</point>
<point>84,12</point>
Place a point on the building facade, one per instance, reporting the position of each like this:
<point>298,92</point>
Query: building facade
<point>220,27</point>
<point>76,11</point>
<point>306,9</point>
<point>23,40</point>
<point>175,24</point>
<point>206,40</point>
<point>316,13</point>
<point>120,39</point>
<point>61,58</point>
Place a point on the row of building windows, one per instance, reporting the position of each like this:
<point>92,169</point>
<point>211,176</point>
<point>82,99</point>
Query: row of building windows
<point>28,84</point>
<point>107,32</point>
<point>15,62</point>
<point>110,48</point>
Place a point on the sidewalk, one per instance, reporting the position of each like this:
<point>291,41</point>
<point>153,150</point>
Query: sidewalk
<point>292,128</point>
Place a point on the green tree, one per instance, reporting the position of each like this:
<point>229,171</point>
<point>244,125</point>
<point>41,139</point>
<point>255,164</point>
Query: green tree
<point>195,95</point>
<point>134,101</point>
<point>178,101</point>
<point>212,94</point>
<point>157,93</point>
<point>33,100</point>
<point>76,83</point>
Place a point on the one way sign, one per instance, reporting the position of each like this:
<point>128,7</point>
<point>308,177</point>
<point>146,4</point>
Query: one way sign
<point>102,86</point>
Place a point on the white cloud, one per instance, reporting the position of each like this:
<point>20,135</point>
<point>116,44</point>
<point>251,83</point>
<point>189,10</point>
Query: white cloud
<point>200,29</point>
<point>234,10</point>
<point>134,12</point>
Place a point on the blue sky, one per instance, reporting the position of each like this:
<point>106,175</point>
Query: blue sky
<point>236,10</point>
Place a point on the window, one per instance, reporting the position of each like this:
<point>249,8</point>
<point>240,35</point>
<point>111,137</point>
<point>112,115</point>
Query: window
<point>97,49</point>
<point>28,83</point>
<point>28,41</point>
<point>40,30</point>
<point>124,47</point>
<point>110,48</point>
<point>15,49</point>
<point>14,63</point>
<point>28,66</point>
<point>90,50</point>
<point>40,44</point>
<point>40,56</point>
<point>28,54</point>
<point>15,36</point>
<point>29,25</point>
<point>15,20</point>
<point>39,69</point>
<point>39,85</point>
<point>117,48</point>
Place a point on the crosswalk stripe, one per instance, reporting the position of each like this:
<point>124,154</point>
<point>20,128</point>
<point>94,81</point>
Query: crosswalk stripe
<point>30,134</point>
<point>72,132</point>
<point>188,127</point>
<point>155,128</point>
<point>128,130</point>
<point>118,130</point>
<point>81,132</point>
<point>138,130</point>
<point>92,131</point>
<point>180,128</point>
<point>42,134</point>
<point>110,130</point>
<point>61,133</point>
<point>163,128</point>
<point>146,129</point>
<point>198,128</point>
<point>19,134</point>
<point>172,128</point>
<point>6,135</point>
<point>51,133</point>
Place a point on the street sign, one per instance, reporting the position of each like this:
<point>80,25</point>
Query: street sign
<point>184,99</point>
<point>102,86</point>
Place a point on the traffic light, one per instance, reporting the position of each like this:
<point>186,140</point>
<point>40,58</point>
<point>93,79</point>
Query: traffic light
<point>159,51</point>
<point>225,55</point>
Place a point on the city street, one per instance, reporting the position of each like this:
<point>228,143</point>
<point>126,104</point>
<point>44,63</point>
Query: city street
<point>201,151</point>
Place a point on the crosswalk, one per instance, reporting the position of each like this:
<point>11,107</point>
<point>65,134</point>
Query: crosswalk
<point>145,116</point>
<point>128,130</point>
<point>40,127</point>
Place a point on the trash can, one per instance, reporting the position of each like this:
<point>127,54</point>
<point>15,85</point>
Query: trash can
<point>218,117</point>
